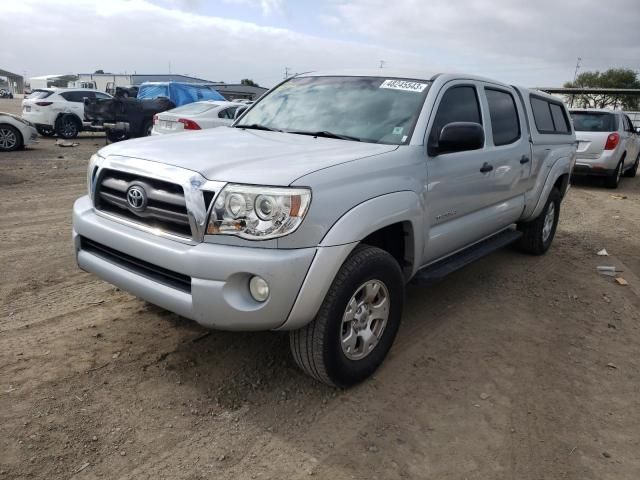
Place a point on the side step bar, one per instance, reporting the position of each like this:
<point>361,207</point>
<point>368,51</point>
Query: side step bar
<point>441,269</point>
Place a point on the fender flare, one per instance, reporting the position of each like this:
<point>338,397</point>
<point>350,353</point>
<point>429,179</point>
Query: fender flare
<point>345,234</point>
<point>561,167</point>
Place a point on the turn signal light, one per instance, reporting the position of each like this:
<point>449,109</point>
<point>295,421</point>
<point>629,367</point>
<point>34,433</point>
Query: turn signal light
<point>612,141</point>
<point>189,124</point>
<point>155,119</point>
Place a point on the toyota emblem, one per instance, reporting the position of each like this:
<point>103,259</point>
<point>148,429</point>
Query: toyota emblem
<point>136,197</point>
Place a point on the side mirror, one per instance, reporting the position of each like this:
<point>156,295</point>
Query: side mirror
<point>458,137</point>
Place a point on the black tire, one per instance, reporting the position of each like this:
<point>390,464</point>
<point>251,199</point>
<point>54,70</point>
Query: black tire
<point>146,129</point>
<point>613,180</point>
<point>317,347</point>
<point>631,173</point>
<point>46,131</point>
<point>10,138</point>
<point>114,136</point>
<point>68,127</point>
<point>535,239</point>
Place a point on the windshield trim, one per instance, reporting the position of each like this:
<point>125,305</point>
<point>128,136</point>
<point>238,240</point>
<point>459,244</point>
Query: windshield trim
<point>410,131</point>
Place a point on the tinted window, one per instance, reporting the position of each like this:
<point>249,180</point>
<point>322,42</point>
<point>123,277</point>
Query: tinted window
<point>559,119</point>
<point>77,96</point>
<point>542,115</point>
<point>628,124</point>
<point>505,125</point>
<point>102,96</point>
<point>458,104</point>
<point>228,113</point>
<point>593,122</point>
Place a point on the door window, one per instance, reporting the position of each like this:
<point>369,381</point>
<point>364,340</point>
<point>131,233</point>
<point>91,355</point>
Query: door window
<point>77,96</point>
<point>505,125</point>
<point>227,113</point>
<point>458,104</point>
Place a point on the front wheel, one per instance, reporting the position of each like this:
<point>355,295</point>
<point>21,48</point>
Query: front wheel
<point>10,138</point>
<point>357,322</point>
<point>538,234</point>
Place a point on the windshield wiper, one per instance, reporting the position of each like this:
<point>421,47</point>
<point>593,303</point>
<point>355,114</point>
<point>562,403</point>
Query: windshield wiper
<point>324,133</point>
<point>255,126</point>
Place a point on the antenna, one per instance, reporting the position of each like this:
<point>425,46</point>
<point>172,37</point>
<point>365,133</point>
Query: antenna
<point>382,62</point>
<point>286,73</point>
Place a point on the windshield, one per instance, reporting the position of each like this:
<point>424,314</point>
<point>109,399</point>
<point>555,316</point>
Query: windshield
<point>370,109</point>
<point>195,108</point>
<point>593,122</point>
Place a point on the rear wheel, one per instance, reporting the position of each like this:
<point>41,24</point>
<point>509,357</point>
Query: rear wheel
<point>613,180</point>
<point>10,138</point>
<point>634,168</point>
<point>116,135</point>
<point>68,127</point>
<point>357,322</point>
<point>538,234</point>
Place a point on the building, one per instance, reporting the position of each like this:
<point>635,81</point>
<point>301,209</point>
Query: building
<point>14,82</point>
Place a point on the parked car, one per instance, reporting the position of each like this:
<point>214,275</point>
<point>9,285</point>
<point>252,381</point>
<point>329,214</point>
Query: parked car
<point>6,93</point>
<point>322,201</point>
<point>59,110</point>
<point>608,145</point>
<point>195,116</point>
<point>15,132</point>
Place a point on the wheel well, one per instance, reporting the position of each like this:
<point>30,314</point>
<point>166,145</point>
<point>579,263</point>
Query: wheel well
<point>562,183</point>
<point>397,240</point>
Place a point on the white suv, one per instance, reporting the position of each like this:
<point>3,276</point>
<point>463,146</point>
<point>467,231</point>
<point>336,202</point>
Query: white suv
<point>58,110</point>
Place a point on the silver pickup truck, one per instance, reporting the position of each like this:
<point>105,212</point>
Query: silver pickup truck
<point>323,200</point>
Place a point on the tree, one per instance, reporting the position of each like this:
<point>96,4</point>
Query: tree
<point>612,78</point>
<point>98,71</point>
<point>248,82</point>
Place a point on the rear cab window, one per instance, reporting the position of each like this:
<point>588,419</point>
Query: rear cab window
<point>505,124</point>
<point>549,116</point>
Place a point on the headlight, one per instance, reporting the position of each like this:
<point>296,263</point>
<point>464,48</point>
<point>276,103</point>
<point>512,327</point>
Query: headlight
<point>258,213</point>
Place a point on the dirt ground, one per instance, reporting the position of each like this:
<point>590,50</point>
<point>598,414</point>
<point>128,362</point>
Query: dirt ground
<point>515,367</point>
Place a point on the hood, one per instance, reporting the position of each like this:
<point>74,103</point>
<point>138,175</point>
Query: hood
<point>246,156</point>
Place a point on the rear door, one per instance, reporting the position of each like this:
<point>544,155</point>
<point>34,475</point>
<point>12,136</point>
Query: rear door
<point>509,143</point>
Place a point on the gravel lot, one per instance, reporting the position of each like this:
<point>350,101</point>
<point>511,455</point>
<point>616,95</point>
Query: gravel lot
<point>516,367</point>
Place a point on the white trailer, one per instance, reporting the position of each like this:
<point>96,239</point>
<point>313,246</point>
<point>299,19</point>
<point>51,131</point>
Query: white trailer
<point>106,82</point>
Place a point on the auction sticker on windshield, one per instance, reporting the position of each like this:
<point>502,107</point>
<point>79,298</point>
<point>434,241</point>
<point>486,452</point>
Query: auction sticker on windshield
<point>404,85</point>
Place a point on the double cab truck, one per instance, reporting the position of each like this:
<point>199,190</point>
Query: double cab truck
<point>312,212</point>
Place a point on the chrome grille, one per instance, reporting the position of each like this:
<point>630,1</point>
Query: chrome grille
<point>165,207</point>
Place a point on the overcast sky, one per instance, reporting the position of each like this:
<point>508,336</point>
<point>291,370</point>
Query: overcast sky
<point>529,42</point>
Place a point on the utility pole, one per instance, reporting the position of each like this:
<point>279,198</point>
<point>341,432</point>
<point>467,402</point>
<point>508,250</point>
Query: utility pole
<point>286,73</point>
<point>575,75</point>
<point>382,62</point>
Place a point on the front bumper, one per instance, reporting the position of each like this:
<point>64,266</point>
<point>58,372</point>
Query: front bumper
<point>219,275</point>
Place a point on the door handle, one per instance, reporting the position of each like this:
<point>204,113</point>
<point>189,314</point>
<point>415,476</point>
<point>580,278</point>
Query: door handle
<point>524,159</point>
<point>486,167</point>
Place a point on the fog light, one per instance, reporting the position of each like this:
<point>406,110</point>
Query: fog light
<point>259,288</point>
